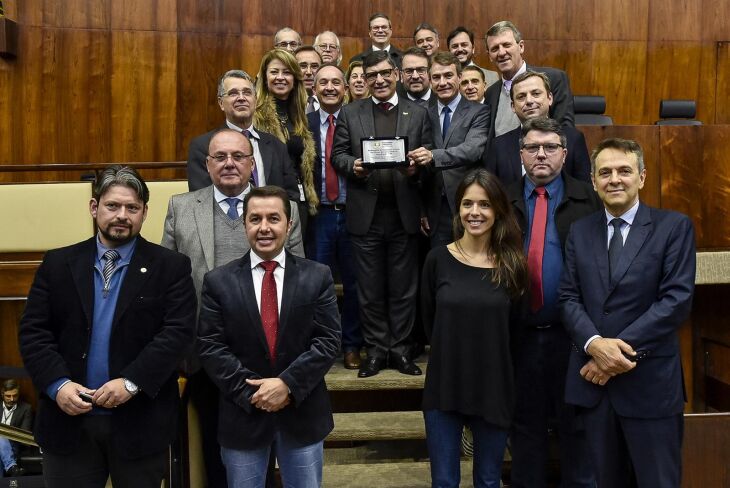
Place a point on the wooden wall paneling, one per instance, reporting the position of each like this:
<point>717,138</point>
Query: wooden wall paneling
<point>10,313</point>
<point>682,172</point>
<point>144,96</point>
<point>202,59</point>
<point>446,16</point>
<point>722,107</point>
<point>574,57</point>
<point>718,361</point>
<point>621,20</point>
<point>78,14</point>
<point>619,74</point>
<point>8,123</point>
<point>715,195</point>
<point>675,20</point>
<point>707,96</point>
<point>346,19</point>
<point>351,46</point>
<point>221,16</point>
<point>715,20</point>
<point>686,351</point>
<point>155,15</point>
<point>705,449</point>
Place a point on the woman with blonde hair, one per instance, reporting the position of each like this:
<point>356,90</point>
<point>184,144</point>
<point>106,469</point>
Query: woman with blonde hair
<point>471,300</point>
<point>357,87</point>
<point>280,110</point>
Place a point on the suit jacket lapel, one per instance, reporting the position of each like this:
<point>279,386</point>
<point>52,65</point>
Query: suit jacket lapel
<point>139,269</point>
<point>291,282</point>
<point>246,291</point>
<point>82,271</point>
<point>513,157</point>
<point>404,118</point>
<point>600,248</point>
<point>264,146</point>
<point>367,123</point>
<point>433,113</point>
<point>639,231</point>
<point>204,214</point>
<point>457,118</point>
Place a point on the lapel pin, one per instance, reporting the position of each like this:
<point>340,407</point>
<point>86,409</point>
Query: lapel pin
<point>143,270</point>
<point>405,113</point>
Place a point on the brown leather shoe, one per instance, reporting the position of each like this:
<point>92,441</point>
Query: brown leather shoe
<point>352,360</point>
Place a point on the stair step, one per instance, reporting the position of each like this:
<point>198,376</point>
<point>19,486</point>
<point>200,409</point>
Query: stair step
<point>386,475</point>
<point>372,426</point>
<point>341,379</point>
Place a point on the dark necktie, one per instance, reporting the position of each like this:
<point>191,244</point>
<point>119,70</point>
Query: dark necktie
<point>447,122</point>
<point>615,246</point>
<point>232,207</point>
<point>310,105</point>
<point>385,106</point>
<point>254,171</point>
<point>110,264</point>
<point>269,307</point>
<point>330,177</point>
<point>537,248</point>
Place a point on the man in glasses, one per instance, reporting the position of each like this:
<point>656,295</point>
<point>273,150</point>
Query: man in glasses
<point>532,97</point>
<point>287,38</point>
<point>546,201</point>
<point>383,215</point>
<point>237,101</point>
<point>380,30</point>
<point>206,226</point>
<point>327,45</point>
<point>414,77</point>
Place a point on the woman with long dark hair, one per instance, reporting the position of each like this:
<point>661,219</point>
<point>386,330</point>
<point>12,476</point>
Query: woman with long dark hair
<point>471,295</point>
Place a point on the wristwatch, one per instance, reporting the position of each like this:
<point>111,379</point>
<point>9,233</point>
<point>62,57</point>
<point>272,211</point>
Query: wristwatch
<point>130,387</point>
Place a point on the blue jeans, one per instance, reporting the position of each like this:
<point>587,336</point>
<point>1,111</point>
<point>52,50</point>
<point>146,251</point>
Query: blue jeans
<point>329,244</point>
<point>300,466</point>
<point>6,454</point>
<point>443,437</point>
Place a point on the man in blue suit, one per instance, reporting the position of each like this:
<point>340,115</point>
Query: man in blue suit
<point>626,288</point>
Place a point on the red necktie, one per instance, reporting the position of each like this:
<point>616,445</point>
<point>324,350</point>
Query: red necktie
<point>269,307</point>
<point>330,177</point>
<point>536,249</point>
<point>385,106</point>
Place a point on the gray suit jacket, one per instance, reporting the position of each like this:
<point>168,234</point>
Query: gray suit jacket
<point>189,230</point>
<point>462,150</point>
<point>355,123</point>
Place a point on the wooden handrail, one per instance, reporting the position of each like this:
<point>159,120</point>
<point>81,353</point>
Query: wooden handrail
<point>15,168</point>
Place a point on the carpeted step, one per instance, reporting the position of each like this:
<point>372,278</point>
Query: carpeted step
<point>377,426</point>
<point>386,475</point>
<point>341,379</point>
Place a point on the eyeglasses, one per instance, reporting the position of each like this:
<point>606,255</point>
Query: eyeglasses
<point>373,75</point>
<point>327,47</point>
<point>550,148</point>
<point>379,27</point>
<point>288,44</point>
<point>306,66</point>
<point>238,93</point>
<point>421,70</point>
<point>237,157</point>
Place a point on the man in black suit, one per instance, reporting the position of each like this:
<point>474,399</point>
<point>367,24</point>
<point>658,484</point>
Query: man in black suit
<point>269,331</point>
<point>380,30</point>
<point>328,241</point>
<point>505,47</point>
<point>532,98</point>
<point>237,100</point>
<point>457,146</point>
<point>626,290</point>
<point>426,37</point>
<point>383,215</point>
<point>546,201</point>
<point>473,86</point>
<point>415,85</point>
<point>15,413</point>
<point>105,326</point>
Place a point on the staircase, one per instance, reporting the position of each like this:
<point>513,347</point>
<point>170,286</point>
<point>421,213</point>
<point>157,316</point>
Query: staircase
<point>379,435</point>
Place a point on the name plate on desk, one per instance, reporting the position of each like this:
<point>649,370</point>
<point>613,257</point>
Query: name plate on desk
<point>384,152</point>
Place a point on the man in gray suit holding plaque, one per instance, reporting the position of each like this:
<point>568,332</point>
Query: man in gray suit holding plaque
<point>383,212</point>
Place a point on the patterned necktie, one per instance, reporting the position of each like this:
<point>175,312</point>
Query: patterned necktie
<point>232,207</point>
<point>615,246</point>
<point>269,307</point>
<point>330,177</point>
<point>254,170</point>
<point>385,106</point>
<point>110,264</point>
<point>536,249</point>
<point>447,122</point>
<point>310,105</point>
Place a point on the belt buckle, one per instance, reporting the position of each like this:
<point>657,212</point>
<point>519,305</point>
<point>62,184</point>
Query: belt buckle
<point>338,206</point>
<point>544,326</point>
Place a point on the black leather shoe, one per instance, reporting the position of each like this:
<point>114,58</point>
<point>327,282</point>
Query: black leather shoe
<point>15,471</point>
<point>371,367</point>
<point>404,365</point>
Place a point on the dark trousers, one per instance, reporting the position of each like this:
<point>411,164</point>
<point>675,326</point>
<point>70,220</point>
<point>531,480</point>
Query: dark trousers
<point>442,226</point>
<point>386,266</point>
<point>96,459</point>
<point>651,449</point>
<point>540,367</point>
<point>329,243</point>
<point>204,396</point>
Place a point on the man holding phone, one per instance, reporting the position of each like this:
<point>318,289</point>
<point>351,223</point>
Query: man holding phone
<point>105,326</point>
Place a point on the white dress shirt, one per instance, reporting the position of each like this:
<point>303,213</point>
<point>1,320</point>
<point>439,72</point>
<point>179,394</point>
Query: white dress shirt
<point>257,273</point>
